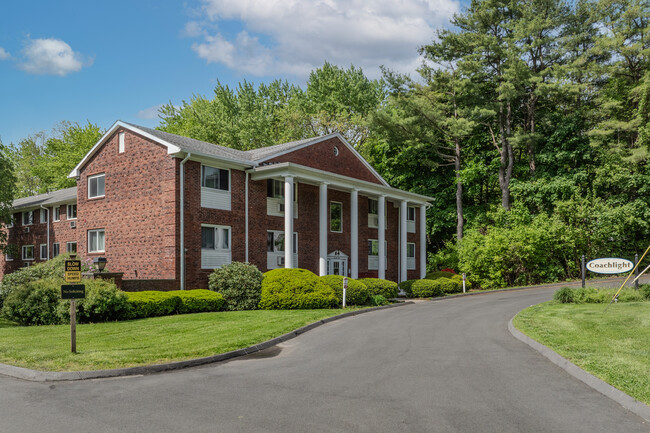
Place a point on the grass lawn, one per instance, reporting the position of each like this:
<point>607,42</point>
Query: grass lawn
<point>614,346</point>
<point>146,341</point>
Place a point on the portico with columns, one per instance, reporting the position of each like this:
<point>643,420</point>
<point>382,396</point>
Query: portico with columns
<point>354,238</point>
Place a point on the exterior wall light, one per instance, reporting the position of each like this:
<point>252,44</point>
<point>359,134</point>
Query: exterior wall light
<point>100,263</point>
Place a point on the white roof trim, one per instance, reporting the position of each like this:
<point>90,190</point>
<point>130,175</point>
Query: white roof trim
<point>335,181</point>
<point>171,148</point>
<point>320,140</point>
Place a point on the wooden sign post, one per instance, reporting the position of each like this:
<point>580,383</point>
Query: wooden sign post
<point>73,292</point>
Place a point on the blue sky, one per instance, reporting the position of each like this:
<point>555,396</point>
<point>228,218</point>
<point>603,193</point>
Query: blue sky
<point>104,61</point>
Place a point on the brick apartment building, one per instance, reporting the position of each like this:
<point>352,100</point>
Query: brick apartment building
<point>144,196</point>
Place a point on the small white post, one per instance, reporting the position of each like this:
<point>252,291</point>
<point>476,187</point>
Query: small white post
<point>345,288</point>
<point>464,282</point>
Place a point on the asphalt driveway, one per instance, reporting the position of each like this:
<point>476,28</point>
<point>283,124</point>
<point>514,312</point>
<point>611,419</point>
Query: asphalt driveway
<point>444,366</point>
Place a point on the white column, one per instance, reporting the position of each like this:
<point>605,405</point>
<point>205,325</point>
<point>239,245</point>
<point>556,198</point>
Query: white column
<point>381,235</point>
<point>288,222</point>
<point>354,233</point>
<point>423,241</point>
<point>402,241</point>
<point>322,229</point>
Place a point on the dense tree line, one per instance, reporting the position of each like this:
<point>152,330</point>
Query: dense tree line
<point>528,122</point>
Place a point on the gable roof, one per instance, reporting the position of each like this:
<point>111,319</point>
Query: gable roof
<point>179,145</point>
<point>61,196</point>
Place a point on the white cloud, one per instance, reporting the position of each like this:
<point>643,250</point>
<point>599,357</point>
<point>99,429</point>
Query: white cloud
<point>51,57</point>
<point>4,55</point>
<point>149,113</point>
<point>296,36</point>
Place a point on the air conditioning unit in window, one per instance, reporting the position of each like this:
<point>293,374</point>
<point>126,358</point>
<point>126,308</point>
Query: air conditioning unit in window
<point>73,224</point>
<point>373,220</point>
<point>26,230</point>
<point>280,261</point>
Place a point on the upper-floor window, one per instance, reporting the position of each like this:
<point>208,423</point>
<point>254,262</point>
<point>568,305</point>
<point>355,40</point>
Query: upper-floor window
<point>10,223</point>
<point>96,185</point>
<point>215,178</point>
<point>57,213</point>
<point>120,144</point>
<point>96,241</point>
<point>410,219</point>
<point>336,217</point>
<point>72,212</point>
<point>43,215</point>
<point>275,189</point>
<point>28,218</point>
<point>373,213</point>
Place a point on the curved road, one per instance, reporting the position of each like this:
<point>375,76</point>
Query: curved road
<point>445,366</point>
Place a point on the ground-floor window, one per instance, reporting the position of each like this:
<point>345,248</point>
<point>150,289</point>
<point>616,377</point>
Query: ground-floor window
<point>215,246</point>
<point>373,254</point>
<point>44,252</point>
<point>56,249</point>
<point>71,247</point>
<point>410,256</point>
<point>275,249</point>
<point>28,252</point>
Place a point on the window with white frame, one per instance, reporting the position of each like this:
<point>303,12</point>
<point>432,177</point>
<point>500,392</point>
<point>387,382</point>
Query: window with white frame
<point>120,143</point>
<point>215,178</point>
<point>9,255</point>
<point>96,241</point>
<point>57,213</point>
<point>28,218</point>
<point>336,217</point>
<point>71,247</point>
<point>410,256</point>
<point>410,219</point>
<point>373,253</point>
<point>215,246</point>
<point>275,198</point>
<point>96,185</point>
<point>373,213</point>
<point>275,249</point>
<point>72,211</point>
<point>56,249</point>
<point>43,215</point>
<point>44,252</point>
<point>28,252</point>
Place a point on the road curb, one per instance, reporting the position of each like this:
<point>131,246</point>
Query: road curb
<point>628,402</point>
<point>58,376</point>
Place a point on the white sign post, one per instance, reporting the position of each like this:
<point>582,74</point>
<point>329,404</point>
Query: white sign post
<point>345,288</point>
<point>464,278</point>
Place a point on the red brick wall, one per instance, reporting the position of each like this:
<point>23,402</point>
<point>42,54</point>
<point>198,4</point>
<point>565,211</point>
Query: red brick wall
<point>138,212</point>
<point>321,156</point>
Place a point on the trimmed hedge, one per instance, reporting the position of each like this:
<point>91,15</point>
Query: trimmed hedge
<point>33,303</point>
<point>439,274</point>
<point>377,286</point>
<point>450,285</point>
<point>645,291</point>
<point>427,288</point>
<point>590,295</point>
<point>239,283</point>
<point>407,287</point>
<point>293,289</point>
<point>356,294</point>
<point>104,302</point>
<point>152,303</point>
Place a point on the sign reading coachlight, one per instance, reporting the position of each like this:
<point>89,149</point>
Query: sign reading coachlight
<point>610,265</point>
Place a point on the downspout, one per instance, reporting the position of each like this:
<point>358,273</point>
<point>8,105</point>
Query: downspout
<point>48,232</point>
<point>182,198</point>
<point>246,215</point>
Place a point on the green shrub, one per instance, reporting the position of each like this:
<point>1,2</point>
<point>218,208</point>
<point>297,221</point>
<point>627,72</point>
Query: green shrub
<point>290,289</point>
<point>104,302</point>
<point>239,283</point>
<point>645,291</point>
<point>427,288</point>
<point>199,301</point>
<point>450,285</point>
<point>439,274</point>
<point>564,295</point>
<point>377,286</point>
<point>152,303</point>
<point>48,269</point>
<point>406,287</point>
<point>377,300</point>
<point>356,294</point>
<point>34,303</point>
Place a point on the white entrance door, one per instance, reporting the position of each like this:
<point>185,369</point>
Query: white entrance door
<point>337,263</point>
